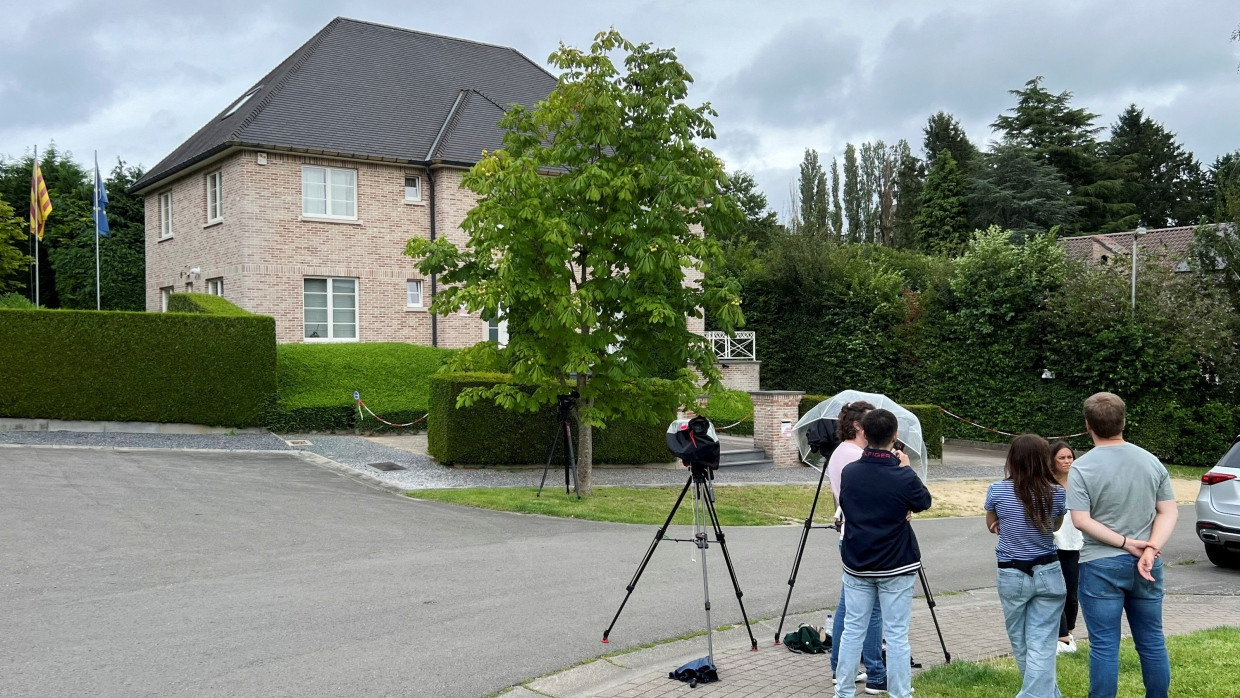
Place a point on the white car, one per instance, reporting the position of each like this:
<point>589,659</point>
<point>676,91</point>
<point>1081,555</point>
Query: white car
<point>1218,509</point>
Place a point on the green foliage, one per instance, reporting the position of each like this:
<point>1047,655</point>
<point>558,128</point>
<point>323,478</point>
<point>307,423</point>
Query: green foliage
<point>589,266</point>
<point>1164,182</point>
<point>941,225</point>
<point>203,303</point>
<point>813,215</point>
<point>316,384</point>
<point>852,195</point>
<point>155,367</point>
<point>15,300</point>
<point>1013,190</point>
<point>13,260</point>
<point>482,433</point>
<point>944,132</point>
<point>727,407</point>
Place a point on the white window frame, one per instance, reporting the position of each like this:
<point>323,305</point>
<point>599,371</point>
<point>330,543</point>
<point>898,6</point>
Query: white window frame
<point>500,329</point>
<point>215,286</point>
<point>165,295</point>
<point>165,215</point>
<point>327,184</point>
<point>215,196</point>
<point>417,198</point>
<point>410,285</point>
<point>331,307</point>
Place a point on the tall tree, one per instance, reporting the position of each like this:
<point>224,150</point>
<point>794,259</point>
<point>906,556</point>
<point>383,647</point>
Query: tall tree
<point>589,267</point>
<point>872,162</point>
<point>944,132</point>
<point>812,190</point>
<point>13,261</point>
<point>910,178</point>
<point>837,211</point>
<point>1163,180</point>
<point>852,195</point>
<point>1012,189</point>
<point>123,252</point>
<point>744,244</point>
<point>941,225</point>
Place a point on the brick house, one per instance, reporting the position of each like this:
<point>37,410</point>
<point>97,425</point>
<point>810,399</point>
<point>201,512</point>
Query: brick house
<point>1174,245</point>
<point>296,201</point>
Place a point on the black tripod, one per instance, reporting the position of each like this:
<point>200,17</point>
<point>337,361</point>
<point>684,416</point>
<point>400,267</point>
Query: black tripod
<point>796,567</point>
<point>700,477</point>
<point>563,417</point>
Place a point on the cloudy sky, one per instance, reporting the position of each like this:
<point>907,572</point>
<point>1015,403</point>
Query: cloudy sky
<point>134,78</point>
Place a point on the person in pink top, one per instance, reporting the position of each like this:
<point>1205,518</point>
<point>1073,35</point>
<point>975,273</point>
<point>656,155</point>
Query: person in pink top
<point>852,442</point>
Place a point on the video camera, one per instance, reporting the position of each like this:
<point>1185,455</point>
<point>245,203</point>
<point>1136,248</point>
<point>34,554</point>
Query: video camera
<point>565,404</point>
<point>695,443</point>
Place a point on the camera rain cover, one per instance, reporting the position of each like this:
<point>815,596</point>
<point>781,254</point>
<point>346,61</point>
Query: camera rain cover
<point>694,441</point>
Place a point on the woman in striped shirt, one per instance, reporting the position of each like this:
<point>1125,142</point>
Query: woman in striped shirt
<point>1024,510</point>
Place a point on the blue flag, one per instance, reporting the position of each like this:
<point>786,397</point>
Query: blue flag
<point>101,203</point>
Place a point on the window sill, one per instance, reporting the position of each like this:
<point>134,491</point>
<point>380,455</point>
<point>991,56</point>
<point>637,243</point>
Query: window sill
<point>212,224</point>
<point>415,309</point>
<point>415,202</point>
<point>322,340</point>
<point>165,237</point>
<point>325,219</point>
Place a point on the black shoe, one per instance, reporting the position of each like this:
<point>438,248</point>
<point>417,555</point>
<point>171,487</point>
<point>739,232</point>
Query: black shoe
<point>875,687</point>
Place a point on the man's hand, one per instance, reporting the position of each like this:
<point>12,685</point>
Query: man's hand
<point>1136,547</point>
<point>1145,565</point>
<point>903,458</point>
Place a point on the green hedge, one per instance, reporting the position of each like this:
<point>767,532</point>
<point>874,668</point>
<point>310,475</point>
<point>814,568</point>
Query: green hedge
<point>930,416</point>
<point>484,434</point>
<point>728,407</point>
<point>203,303</point>
<point>127,366</point>
<point>316,384</point>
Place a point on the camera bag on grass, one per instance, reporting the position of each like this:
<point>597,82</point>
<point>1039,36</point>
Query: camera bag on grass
<point>808,639</point>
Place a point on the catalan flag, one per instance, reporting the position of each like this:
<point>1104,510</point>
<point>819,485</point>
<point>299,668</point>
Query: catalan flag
<point>40,202</point>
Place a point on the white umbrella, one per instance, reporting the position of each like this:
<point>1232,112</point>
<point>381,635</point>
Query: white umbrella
<point>908,431</point>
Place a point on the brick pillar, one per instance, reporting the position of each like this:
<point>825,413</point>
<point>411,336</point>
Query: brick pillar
<point>771,410</point>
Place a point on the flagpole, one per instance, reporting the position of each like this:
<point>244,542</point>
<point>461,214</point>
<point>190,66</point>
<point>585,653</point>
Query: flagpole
<point>98,297</point>
<point>34,228</point>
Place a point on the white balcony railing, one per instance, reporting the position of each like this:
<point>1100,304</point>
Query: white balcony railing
<point>740,347</point>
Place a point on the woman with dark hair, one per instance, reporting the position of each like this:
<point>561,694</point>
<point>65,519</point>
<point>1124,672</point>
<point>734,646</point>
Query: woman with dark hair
<point>1024,510</point>
<point>1069,542</point>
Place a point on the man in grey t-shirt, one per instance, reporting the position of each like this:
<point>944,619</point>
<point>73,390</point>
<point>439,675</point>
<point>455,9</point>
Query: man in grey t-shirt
<point>1121,498</point>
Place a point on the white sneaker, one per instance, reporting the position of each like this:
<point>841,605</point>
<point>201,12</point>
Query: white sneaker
<point>1068,647</point>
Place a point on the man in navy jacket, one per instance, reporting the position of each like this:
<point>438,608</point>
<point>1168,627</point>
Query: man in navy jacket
<point>878,495</point>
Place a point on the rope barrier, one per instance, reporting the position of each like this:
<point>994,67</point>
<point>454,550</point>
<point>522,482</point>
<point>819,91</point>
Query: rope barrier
<point>1005,433</point>
<point>743,419</point>
<point>362,405</point>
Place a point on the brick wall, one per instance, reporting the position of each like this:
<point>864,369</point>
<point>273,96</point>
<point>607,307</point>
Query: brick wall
<point>771,410</point>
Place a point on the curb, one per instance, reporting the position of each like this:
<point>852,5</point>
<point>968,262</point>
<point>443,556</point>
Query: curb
<point>113,427</point>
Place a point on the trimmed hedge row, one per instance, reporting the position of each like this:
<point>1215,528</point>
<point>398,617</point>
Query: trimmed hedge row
<point>316,384</point>
<point>204,303</point>
<point>930,416</point>
<point>133,366</point>
<point>485,434</point>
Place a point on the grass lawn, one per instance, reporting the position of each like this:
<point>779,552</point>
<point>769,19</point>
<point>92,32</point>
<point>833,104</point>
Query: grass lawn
<point>1202,664</point>
<point>749,505</point>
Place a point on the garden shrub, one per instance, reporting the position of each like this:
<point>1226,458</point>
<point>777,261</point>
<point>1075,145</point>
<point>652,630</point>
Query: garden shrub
<point>317,381</point>
<point>203,303</point>
<point>132,366</point>
<point>727,407</point>
<point>16,300</point>
<point>486,434</point>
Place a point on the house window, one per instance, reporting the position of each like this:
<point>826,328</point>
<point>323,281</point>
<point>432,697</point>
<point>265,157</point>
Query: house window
<point>330,309</point>
<point>413,188</point>
<point>497,331</point>
<point>165,294</point>
<point>328,192</point>
<point>189,286</point>
<point>413,294</point>
<point>215,198</point>
<point>215,286</point>
<point>165,215</point>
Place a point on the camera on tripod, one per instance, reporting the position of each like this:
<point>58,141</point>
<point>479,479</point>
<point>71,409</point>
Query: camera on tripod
<point>565,404</point>
<point>696,444</point>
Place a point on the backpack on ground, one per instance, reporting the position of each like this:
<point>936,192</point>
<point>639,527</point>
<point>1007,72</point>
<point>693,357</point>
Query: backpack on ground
<point>808,639</point>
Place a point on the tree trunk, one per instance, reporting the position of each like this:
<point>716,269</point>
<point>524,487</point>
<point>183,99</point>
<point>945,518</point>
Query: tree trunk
<point>585,449</point>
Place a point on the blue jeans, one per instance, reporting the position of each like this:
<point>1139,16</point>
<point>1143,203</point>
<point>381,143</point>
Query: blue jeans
<point>1110,588</point>
<point>895,596</point>
<point>871,652</point>
<point>1032,607</point>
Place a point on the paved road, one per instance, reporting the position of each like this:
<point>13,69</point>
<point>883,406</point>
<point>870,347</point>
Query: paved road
<point>190,573</point>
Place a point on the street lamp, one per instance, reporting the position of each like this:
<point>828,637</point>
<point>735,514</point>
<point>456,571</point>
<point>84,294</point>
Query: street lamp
<point>1135,234</point>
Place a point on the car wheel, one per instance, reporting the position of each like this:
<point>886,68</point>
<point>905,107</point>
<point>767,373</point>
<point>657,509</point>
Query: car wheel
<point>1222,556</point>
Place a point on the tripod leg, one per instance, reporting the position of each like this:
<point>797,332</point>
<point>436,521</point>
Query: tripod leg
<point>796,561</point>
<point>550,457</point>
<point>572,459</point>
<point>702,540</point>
<point>658,536</point>
<point>925,587</point>
<point>723,546</point>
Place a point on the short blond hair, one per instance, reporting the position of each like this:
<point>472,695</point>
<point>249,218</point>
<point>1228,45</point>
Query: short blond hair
<point>1105,414</point>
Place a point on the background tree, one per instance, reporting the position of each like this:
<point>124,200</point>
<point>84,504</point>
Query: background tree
<point>1013,190</point>
<point>588,267</point>
<point>123,252</point>
<point>837,211</point>
<point>743,245</point>
<point>941,225</point>
<point>812,190</point>
<point>1163,181</point>
<point>852,195</point>
<point>944,132</point>
<point>910,178</point>
<point>13,262</point>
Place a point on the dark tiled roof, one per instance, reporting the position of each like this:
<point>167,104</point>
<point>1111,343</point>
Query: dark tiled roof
<point>369,90</point>
<point>1174,243</point>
